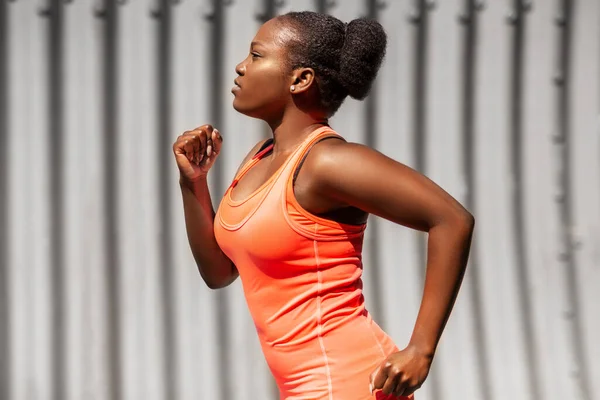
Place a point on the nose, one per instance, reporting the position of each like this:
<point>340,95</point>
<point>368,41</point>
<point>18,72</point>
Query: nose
<point>240,69</point>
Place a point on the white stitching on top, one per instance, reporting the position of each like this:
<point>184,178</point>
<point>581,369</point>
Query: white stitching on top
<point>370,328</point>
<point>319,326</point>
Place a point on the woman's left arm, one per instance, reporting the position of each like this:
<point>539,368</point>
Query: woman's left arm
<point>361,177</point>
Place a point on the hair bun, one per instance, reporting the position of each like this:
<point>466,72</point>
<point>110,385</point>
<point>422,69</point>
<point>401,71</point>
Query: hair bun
<point>361,56</point>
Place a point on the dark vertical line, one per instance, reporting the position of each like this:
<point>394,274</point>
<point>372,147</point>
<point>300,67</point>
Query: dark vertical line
<point>420,19</point>
<point>323,6</point>
<point>371,129</point>
<point>163,61</point>
<point>57,188</point>
<point>469,21</point>
<point>110,62</point>
<point>517,20</point>
<point>4,270</point>
<point>217,56</point>
<point>268,11</point>
<point>565,199</point>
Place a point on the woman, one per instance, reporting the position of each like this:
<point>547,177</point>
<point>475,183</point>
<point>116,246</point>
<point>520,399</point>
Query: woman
<point>291,224</point>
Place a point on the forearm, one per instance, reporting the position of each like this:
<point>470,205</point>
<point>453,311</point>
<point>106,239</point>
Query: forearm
<point>216,268</point>
<point>447,255</point>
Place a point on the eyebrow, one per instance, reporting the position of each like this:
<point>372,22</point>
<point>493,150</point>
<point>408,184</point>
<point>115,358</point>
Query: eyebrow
<point>255,44</point>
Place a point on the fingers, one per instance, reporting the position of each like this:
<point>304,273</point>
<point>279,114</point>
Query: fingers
<point>188,147</point>
<point>199,146</point>
<point>194,144</point>
<point>217,141</point>
<point>390,378</point>
<point>377,379</point>
<point>400,389</point>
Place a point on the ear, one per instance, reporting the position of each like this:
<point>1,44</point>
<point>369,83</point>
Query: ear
<point>302,79</point>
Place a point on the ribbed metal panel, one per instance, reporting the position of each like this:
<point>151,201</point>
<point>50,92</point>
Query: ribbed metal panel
<point>497,101</point>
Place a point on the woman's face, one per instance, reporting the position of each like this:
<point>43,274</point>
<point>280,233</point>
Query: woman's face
<point>263,84</point>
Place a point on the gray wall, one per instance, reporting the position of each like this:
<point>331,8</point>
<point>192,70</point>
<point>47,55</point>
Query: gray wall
<point>497,101</point>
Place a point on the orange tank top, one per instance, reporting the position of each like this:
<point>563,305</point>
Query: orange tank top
<point>301,276</point>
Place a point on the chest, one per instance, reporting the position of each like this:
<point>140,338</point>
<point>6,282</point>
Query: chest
<point>261,173</point>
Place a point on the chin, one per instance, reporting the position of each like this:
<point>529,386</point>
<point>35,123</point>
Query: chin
<point>247,111</point>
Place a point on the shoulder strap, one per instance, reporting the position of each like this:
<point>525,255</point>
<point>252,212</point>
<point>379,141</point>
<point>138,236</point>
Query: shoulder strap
<point>267,144</point>
<point>308,149</point>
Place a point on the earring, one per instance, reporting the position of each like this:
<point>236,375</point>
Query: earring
<point>293,88</point>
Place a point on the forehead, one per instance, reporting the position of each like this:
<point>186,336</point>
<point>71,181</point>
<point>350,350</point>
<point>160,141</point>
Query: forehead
<point>276,32</point>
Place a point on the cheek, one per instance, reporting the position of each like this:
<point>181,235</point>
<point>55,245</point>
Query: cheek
<point>257,103</point>
<point>264,86</point>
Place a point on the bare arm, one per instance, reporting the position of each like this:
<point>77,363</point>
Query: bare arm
<point>358,176</point>
<point>195,152</point>
<point>216,269</point>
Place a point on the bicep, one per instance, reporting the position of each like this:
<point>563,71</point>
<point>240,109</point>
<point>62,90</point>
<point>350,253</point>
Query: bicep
<point>364,178</point>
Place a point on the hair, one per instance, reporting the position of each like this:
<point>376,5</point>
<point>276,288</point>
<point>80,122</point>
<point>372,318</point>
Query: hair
<point>344,56</point>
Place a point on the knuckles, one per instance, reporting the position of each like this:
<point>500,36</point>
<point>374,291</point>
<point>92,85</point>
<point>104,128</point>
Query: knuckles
<point>202,134</point>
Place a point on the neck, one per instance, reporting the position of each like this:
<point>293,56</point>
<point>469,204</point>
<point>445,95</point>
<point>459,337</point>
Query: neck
<point>292,129</point>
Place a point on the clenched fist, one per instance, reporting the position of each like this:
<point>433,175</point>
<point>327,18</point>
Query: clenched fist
<point>402,372</point>
<point>196,151</point>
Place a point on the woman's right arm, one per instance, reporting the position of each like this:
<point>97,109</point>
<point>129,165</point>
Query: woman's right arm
<point>216,269</point>
<point>195,152</point>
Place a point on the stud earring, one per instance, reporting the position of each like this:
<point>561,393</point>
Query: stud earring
<point>293,88</point>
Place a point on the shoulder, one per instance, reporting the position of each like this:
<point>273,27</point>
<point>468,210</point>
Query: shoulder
<point>331,159</point>
<point>344,170</point>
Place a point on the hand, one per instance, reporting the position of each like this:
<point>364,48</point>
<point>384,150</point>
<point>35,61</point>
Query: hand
<point>402,372</point>
<point>196,151</point>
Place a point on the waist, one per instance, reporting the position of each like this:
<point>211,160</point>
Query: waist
<point>299,314</point>
<point>352,348</point>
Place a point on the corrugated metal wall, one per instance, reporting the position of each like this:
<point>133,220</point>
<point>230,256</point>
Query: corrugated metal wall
<point>497,101</point>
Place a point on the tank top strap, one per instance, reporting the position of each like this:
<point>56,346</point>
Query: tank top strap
<point>302,151</point>
<point>301,220</point>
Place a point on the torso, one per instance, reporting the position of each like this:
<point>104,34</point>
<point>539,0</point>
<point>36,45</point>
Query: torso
<point>305,188</point>
<point>301,276</point>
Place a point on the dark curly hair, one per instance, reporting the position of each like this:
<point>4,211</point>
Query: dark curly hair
<point>344,56</point>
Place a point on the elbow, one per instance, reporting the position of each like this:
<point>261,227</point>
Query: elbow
<point>219,281</point>
<point>215,284</point>
<point>468,221</point>
<point>462,221</point>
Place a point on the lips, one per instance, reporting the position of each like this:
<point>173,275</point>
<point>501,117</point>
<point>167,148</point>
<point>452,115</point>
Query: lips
<point>236,86</point>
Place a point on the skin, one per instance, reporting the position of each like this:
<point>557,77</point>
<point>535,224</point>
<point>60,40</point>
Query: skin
<point>332,184</point>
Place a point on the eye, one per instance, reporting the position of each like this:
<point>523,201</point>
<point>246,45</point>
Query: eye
<point>255,55</point>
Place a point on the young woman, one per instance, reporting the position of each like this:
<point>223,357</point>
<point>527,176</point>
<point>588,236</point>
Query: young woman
<point>291,224</point>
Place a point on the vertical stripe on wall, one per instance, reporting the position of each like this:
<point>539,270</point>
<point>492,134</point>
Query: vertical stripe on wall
<point>99,296</point>
<point>517,19</point>
<point>418,16</point>
<point>371,129</point>
<point>4,276</point>
<point>54,15</point>
<point>216,17</point>
<point>108,12</point>
<point>469,21</point>
<point>163,17</point>
<point>564,200</point>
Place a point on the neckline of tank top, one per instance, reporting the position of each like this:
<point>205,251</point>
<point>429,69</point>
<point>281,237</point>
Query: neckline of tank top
<point>255,160</point>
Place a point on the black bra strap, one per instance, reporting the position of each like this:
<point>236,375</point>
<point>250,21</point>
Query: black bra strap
<point>306,154</point>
